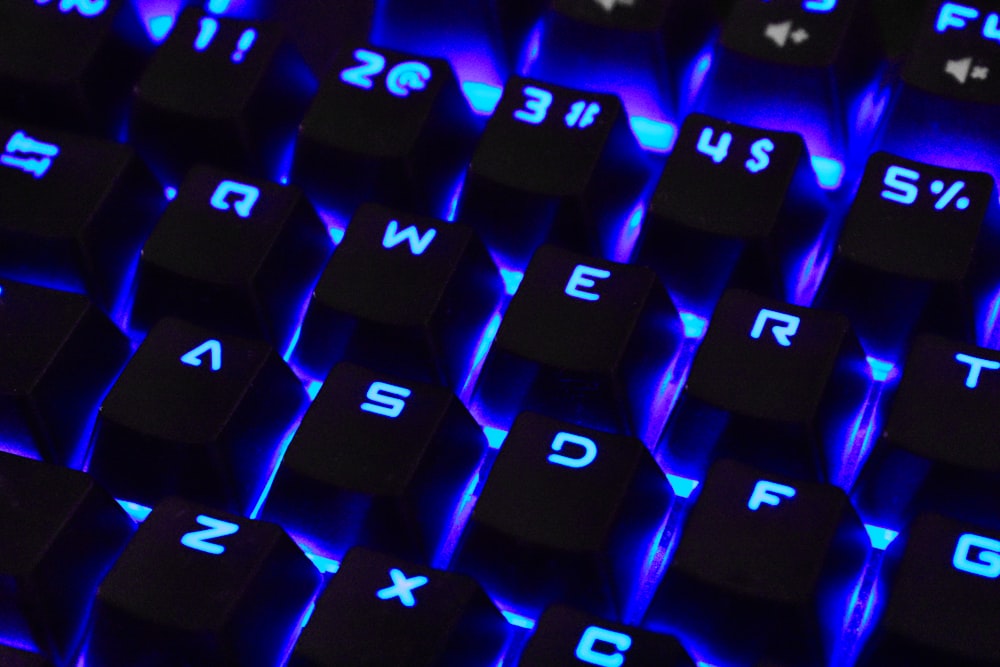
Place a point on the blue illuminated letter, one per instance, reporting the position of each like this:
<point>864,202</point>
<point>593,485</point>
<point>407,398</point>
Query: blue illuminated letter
<point>582,277</point>
<point>902,185</point>
<point>768,493</point>
<point>991,29</point>
<point>761,152</point>
<point>975,366</point>
<point>246,197</point>
<point>586,652</point>
<point>360,76</point>
<point>954,15</point>
<point>820,5</point>
<point>35,156</point>
<point>385,399</point>
<point>206,33</point>
<point>407,76</point>
<point>536,106</point>
<point>783,332</point>
<point>211,347</point>
<point>200,540</point>
<point>588,455</point>
<point>988,563</point>
<point>402,588</point>
<point>719,151</point>
<point>418,243</point>
<point>85,7</point>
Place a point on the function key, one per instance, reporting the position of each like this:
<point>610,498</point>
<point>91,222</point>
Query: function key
<point>590,44</point>
<point>914,253</point>
<point>59,354</point>
<point>379,461</point>
<point>402,293</point>
<point>764,567</point>
<point>951,78</point>
<point>232,252</point>
<point>583,339</point>
<point>194,413</point>
<point>567,514</point>
<point>941,605</point>
<point>66,63</point>
<point>939,447</point>
<point>378,610</point>
<point>219,90</point>
<point>385,126</point>
<point>74,210</point>
<point>736,206</point>
<point>60,534</point>
<point>802,374</point>
<point>553,165</point>
<point>566,637</point>
<point>790,62</point>
<point>200,587</point>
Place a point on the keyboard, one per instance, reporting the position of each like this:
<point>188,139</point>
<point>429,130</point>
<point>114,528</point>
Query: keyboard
<point>538,333</point>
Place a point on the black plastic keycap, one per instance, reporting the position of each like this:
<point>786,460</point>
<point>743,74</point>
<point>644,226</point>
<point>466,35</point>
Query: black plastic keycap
<point>772,384</point>
<point>915,253</point>
<point>378,461</point>
<point>567,514</point>
<point>583,339</point>
<point>405,294</point>
<point>59,535</point>
<point>195,413</point>
<point>59,354</point>
<point>765,566</point>
<point>378,610</point>
<point>74,210</point>
<point>12,657</point>
<point>224,91</point>
<point>553,165</point>
<point>797,64</point>
<point>386,126</point>
<point>566,637</point>
<point>200,587</point>
<point>66,63</point>
<point>736,206</point>
<point>939,447</point>
<point>234,253</point>
<point>940,606</point>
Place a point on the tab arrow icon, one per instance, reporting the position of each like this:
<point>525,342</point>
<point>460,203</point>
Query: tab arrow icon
<point>212,348</point>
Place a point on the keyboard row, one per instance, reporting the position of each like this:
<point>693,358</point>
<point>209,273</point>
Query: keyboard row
<point>767,570</point>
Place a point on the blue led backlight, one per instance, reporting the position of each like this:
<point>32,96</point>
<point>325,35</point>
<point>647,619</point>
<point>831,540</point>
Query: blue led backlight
<point>880,537</point>
<point>518,620</point>
<point>695,326</point>
<point>170,193</point>
<point>653,135</point>
<point>829,172</point>
<point>159,27</point>
<point>683,487</point>
<point>323,564</point>
<point>135,510</point>
<point>483,98</point>
<point>881,370</point>
<point>494,436</point>
<point>511,280</point>
<point>217,6</point>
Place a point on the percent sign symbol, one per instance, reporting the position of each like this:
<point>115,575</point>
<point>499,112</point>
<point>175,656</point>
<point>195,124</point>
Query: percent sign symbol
<point>949,196</point>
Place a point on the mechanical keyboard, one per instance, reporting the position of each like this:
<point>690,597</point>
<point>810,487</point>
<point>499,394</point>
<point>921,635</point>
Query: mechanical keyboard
<point>538,333</point>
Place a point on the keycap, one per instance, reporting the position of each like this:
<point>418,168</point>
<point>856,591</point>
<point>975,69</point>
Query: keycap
<point>590,45</point>
<point>60,355</point>
<point>583,339</point>
<point>66,63</point>
<point>386,126</point>
<point>566,637</point>
<point>941,599</point>
<point>567,514</point>
<point>798,66</point>
<point>948,82</point>
<point>224,91</point>
<point>235,253</point>
<point>765,566</point>
<point>17,658</point>
<point>406,294</point>
<point>801,378</point>
<point>60,533</point>
<point>196,586</point>
<point>380,610</point>
<point>735,206</point>
<point>937,448</point>
<point>554,164</point>
<point>913,253</point>
<point>379,461</point>
<point>195,413</point>
<point>74,210</point>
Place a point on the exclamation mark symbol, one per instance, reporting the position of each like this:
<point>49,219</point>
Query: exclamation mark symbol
<point>244,44</point>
